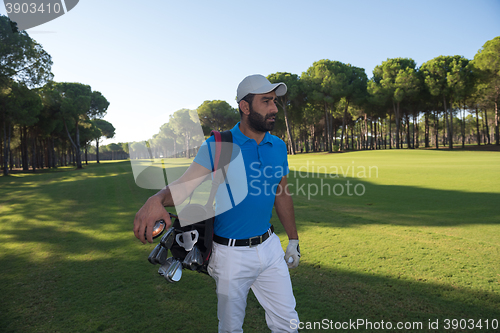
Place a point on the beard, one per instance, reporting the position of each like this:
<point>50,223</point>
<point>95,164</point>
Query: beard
<point>258,122</point>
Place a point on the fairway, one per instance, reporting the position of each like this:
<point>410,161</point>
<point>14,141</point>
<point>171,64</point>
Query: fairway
<point>399,236</point>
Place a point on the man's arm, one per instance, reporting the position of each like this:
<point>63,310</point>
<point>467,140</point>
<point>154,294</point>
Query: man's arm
<point>284,208</point>
<point>154,208</point>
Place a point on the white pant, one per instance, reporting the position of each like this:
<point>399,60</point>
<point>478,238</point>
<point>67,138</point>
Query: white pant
<point>236,269</point>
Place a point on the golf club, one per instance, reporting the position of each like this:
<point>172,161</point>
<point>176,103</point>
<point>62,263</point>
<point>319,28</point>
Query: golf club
<point>161,256</point>
<point>168,239</point>
<point>174,272</point>
<point>158,228</point>
<point>164,268</point>
<point>153,254</point>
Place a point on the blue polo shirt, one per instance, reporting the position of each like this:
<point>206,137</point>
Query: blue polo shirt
<point>244,207</point>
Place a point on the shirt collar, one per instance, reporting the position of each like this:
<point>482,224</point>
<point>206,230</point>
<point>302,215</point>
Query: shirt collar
<point>242,138</point>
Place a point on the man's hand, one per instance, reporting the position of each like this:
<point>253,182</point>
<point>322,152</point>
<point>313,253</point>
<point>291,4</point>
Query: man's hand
<point>146,217</point>
<point>292,251</point>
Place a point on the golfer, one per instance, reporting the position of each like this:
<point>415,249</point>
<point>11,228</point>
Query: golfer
<point>246,252</point>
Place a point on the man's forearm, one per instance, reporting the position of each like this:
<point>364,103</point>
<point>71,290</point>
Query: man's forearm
<point>165,197</point>
<point>284,208</point>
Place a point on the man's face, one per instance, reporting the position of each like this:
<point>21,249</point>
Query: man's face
<point>263,112</point>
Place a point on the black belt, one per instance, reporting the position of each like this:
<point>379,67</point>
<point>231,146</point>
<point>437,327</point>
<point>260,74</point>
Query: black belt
<point>252,241</point>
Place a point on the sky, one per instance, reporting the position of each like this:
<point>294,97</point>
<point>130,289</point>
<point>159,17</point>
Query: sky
<point>152,58</point>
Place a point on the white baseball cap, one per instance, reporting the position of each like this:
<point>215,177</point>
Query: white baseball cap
<point>258,84</point>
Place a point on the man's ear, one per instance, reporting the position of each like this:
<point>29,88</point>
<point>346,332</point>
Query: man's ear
<point>245,107</point>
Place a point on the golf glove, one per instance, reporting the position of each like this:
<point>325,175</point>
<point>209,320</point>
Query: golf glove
<point>292,251</point>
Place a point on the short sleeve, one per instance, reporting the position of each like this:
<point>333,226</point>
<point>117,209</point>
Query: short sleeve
<point>204,155</point>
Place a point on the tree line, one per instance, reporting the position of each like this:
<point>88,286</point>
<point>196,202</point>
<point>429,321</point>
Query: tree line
<point>44,123</point>
<point>334,106</point>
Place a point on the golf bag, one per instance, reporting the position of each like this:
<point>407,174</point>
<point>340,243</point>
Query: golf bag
<point>198,236</point>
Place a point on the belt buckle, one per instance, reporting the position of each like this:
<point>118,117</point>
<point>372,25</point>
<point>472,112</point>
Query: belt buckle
<point>256,237</point>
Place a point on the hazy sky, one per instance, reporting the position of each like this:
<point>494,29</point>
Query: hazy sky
<point>151,58</point>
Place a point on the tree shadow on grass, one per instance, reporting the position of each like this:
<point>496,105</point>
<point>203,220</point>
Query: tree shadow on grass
<point>125,294</point>
<point>342,296</point>
<point>392,204</point>
<point>60,272</point>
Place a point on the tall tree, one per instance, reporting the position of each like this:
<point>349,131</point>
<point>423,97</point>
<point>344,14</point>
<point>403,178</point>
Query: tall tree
<point>98,105</point>
<point>75,104</point>
<point>293,97</point>
<point>186,125</point>
<point>105,129</point>
<point>437,73</point>
<point>24,105</point>
<point>21,60</point>
<point>352,82</point>
<point>487,60</point>
<point>461,80</point>
<point>397,80</point>
<point>217,115</point>
<point>323,89</point>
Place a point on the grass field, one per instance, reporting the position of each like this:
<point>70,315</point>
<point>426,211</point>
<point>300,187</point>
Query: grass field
<point>412,238</point>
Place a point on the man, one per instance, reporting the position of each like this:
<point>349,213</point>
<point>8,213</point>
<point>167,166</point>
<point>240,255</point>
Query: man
<point>246,253</point>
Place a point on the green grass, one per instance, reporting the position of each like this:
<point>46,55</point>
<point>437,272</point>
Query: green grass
<point>421,243</point>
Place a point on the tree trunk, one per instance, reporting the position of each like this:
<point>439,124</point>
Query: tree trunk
<point>335,129</point>
<point>415,132</point>
<point>75,145</point>
<point>331,131</point>
<point>54,157</point>
<point>487,126</point>
<point>408,143</point>
<point>6,149</point>
<point>436,129</point>
<point>449,122</point>
<point>477,127</point>
<point>463,126</point>
<point>384,132</point>
<point>396,116</point>
<point>77,148</point>
<point>367,133</point>
<point>9,152</point>
<point>371,136</point>
<point>288,130</point>
<point>497,136</point>
<point>343,126</point>
<point>24,148</point>
<point>86,159</point>
<point>390,131</point>
<point>47,154</point>
<point>312,138</point>
<point>327,129</point>
<point>352,137</point>
<point>97,150</point>
<point>426,139</point>
<point>33,151</point>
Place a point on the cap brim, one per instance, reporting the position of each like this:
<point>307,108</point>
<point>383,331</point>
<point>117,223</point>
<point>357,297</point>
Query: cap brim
<point>280,89</point>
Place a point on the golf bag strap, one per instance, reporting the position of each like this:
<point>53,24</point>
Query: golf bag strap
<point>219,137</point>
<point>218,145</point>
